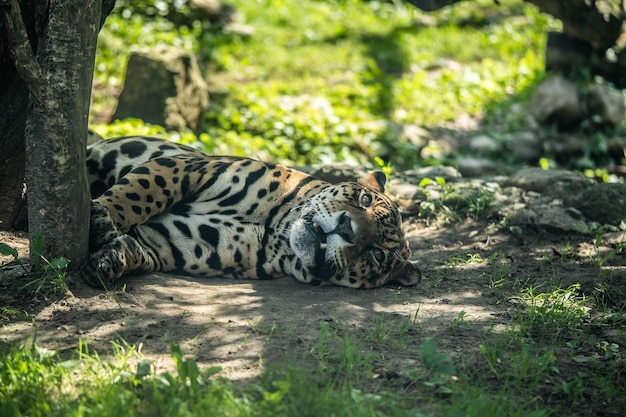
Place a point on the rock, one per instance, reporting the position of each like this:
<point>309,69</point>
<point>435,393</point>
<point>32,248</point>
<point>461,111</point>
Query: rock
<point>614,238</point>
<point>475,167</point>
<point>617,147</point>
<point>603,203</point>
<point>409,133</point>
<point>484,144</point>
<point>606,104</point>
<point>560,219</point>
<point>164,86</point>
<point>525,146</point>
<point>556,101</point>
<point>555,182</point>
<point>565,144</point>
<point>446,172</point>
<point>546,214</point>
<point>407,191</point>
<point>212,10</point>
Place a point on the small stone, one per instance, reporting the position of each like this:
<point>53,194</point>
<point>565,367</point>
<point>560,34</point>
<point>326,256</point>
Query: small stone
<point>617,147</point>
<point>484,144</point>
<point>445,172</point>
<point>565,144</point>
<point>606,104</point>
<point>614,238</point>
<point>558,218</point>
<point>576,214</point>
<point>405,190</point>
<point>475,167</point>
<point>556,101</point>
<point>525,146</point>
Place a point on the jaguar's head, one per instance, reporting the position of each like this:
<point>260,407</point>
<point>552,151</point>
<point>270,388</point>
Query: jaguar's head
<point>350,235</point>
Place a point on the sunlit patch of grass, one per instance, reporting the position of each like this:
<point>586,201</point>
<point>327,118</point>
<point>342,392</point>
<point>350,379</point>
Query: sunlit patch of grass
<point>552,313</point>
<point>447,202</point>
<point>343,371</point>
<point>366,62</point>
<point>44,276</point>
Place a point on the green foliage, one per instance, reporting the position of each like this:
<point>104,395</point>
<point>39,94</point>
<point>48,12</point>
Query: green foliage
<point>328,81</point>
<point>45,276</point>
<point>445,202</point>
<point>438,368</point>
<point>341,357</point>
<point>552,313</point>
<point>6,250</point>
<point>498,373</point>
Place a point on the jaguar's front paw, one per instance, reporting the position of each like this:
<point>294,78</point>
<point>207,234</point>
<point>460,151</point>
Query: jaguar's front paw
<point>103,267</point>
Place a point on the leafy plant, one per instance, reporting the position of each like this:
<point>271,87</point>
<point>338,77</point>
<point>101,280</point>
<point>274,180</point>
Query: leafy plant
<point>45,276</point>
<point>6,250</point>
<point>551,313</point>
<point>449,203</point>
<point>438,368</point>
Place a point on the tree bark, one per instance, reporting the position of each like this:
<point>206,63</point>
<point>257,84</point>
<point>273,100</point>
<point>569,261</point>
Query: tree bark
<point>599,23</point>
<point>14,101</point>
<point>58,78</point>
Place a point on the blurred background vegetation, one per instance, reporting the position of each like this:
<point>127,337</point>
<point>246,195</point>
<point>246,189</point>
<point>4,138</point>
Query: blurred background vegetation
<point>367,82</point>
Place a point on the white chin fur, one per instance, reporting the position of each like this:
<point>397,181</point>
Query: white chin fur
<point>303,243</point>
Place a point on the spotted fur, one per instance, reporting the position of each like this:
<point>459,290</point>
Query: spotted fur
<point>160,206</point>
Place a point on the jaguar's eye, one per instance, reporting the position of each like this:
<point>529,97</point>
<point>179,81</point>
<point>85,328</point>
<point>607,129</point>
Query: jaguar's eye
<point>366,200</point>
<point>379,255</point>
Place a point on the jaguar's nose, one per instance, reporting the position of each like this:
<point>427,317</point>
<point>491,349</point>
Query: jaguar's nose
<point>344,228</point>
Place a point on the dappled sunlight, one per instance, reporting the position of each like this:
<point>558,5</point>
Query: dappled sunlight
<point>471,275</point>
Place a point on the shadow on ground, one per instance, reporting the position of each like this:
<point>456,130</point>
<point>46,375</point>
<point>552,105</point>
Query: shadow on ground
<point>470,271</point>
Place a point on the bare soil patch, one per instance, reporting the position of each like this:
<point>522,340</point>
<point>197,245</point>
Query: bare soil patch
<point>470,269</point>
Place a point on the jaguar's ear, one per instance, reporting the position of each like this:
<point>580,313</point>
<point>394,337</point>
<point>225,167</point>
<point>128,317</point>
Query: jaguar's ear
<point>408,274</point>
<point>376,181</point>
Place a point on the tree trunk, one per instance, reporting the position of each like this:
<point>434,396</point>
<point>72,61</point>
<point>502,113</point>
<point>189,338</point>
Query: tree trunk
<point>599,23</point>
<point>13,101</point>
<point>52,127</point>
<point>56,130</point>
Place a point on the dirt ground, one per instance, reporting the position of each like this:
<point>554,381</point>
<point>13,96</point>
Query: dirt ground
<point>243,326</point>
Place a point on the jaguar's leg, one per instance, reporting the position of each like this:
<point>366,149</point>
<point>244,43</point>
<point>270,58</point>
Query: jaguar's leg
<point>124,255</point>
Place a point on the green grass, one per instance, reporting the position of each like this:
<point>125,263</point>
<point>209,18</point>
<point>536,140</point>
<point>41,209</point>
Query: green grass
<point>323,81</point>
<point>559,352</point>
<point>516,372</point>
<point>46,277</point>
<point>446,202</point>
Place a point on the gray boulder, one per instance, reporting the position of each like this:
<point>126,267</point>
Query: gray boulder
<point>606,104</point>
<point>556,100</point>
<point>164,87</point>
<point>603,203</point>
<point>558,183</point>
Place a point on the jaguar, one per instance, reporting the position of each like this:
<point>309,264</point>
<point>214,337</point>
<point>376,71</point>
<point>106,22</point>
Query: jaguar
<point>162,206</point>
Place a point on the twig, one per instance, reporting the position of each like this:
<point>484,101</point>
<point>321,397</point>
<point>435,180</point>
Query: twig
<point>25,62</point>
